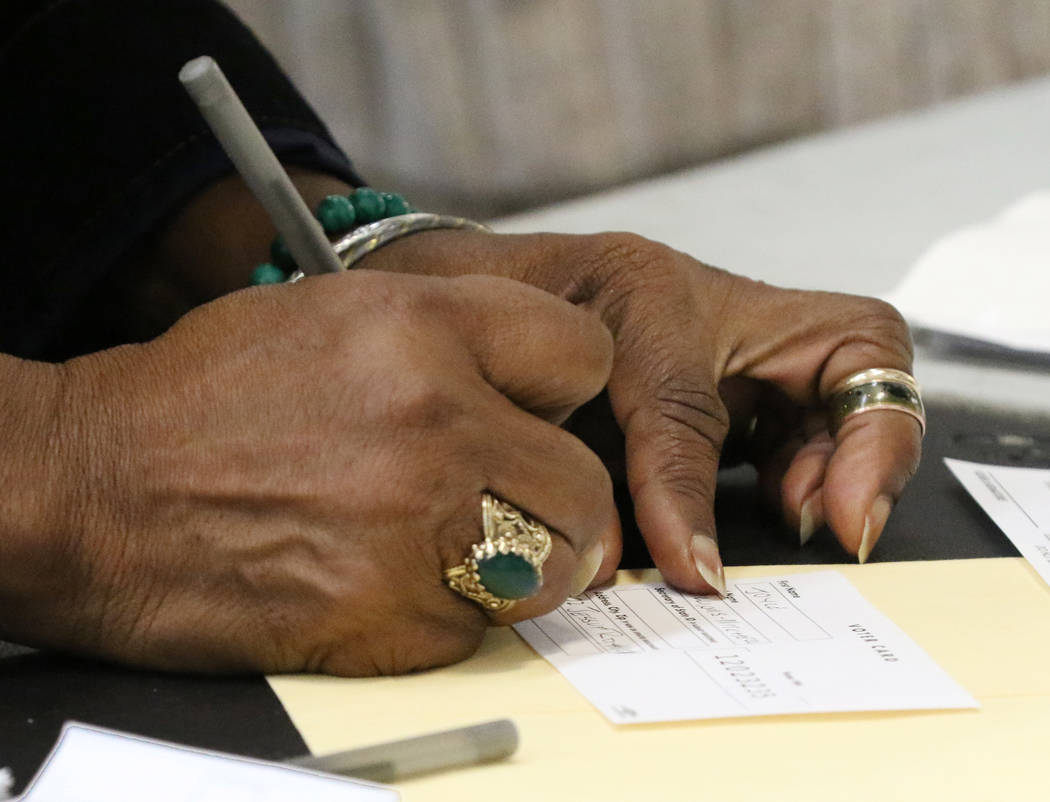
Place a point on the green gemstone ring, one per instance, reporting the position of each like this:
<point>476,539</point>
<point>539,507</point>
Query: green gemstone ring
<point>507,565</point>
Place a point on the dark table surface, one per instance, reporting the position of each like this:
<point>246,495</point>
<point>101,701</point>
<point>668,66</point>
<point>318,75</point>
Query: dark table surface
<point>935,519</point>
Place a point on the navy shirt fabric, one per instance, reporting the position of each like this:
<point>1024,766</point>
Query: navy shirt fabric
<point>100,143</point>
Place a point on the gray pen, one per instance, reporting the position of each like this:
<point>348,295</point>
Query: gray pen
<point>396,760</point>
<point>244,144</point>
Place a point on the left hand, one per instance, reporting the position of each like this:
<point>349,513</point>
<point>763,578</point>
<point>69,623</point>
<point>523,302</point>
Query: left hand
<point>696,349</point>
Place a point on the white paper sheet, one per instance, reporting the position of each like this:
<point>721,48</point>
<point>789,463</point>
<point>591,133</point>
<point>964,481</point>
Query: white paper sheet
<point>988,283</point>
<point>803,643</point>
<point>91,764</point>
<point>1018,500</point>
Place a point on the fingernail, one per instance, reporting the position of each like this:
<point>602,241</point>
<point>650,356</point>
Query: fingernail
<point>587,568</point>
<point>809,519</point>
<point>873,526</point>
<point>708,562</point>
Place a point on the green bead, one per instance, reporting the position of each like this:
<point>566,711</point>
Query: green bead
<point>280,255</point>
<point>395,204</point>
<point>267,273</point>
<point>336,214</point>
<point>508,576</point>
<point>368,204</point>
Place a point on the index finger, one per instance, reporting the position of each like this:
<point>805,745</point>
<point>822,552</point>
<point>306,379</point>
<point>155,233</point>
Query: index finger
<point>664,394</point>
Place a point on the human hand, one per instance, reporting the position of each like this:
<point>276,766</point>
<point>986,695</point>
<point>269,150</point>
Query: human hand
<point>278,482</point>
<point>697,350</point>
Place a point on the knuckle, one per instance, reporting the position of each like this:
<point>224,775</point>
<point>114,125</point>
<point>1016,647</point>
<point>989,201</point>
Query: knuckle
<point>691,403</point>
<point>690,425</point>
<point>588,484</point>
<point>383,299</point>
<point>606,356</point>
<point>419,403</point>
<point>586,374</point>
<point>877,325</point>
<point>403,386</point>
<point>630,248</point>
<point>613,265</point>
<point>681,430</point>
<point>598,351</point>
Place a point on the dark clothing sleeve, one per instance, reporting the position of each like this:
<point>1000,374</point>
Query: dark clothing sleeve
<point>100,143</point>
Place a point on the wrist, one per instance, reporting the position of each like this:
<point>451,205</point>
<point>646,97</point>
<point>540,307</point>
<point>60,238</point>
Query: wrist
<point>206,250</point>
<point>37,480</point>
<point>213,244</point>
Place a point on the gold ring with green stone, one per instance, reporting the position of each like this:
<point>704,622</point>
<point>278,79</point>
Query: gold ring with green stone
<point>507,565</point>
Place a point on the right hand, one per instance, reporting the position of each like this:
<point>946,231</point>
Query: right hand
<point>278,482</point>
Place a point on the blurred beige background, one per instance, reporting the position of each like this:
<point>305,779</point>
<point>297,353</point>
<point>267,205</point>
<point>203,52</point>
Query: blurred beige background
<point>485,107</point>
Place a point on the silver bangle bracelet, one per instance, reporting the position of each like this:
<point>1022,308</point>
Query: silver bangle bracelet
<point>371,237</point>
<point>360,242</point>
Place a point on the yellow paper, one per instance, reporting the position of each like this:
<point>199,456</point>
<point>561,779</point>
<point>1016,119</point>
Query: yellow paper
<point>986,622</point>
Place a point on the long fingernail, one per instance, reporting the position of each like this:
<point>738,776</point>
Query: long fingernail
<point>874,523</point>
<point>708,562</point>
<point>810,519</point>
<point>587,568</point>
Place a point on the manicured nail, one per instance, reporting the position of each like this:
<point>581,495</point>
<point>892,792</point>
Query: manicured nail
<point>708,562</point>
<point>810,518</point>
<point>873,526</point>
<point>587,568</point>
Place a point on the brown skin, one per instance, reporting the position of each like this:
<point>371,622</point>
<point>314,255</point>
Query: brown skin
<point>277,482</point>
<point>688,339</point>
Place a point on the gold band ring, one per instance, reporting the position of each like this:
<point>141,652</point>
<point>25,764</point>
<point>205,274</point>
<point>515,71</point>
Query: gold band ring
<point>875,389</point>
<point>507,565</point>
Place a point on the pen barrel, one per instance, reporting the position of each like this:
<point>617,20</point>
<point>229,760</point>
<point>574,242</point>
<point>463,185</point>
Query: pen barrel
<point>396,760</point>
<point>244,143</point>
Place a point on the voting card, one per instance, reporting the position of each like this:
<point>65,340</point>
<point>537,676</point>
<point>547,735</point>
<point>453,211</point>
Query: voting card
<point>1018,500</point>
<point>803,643</point>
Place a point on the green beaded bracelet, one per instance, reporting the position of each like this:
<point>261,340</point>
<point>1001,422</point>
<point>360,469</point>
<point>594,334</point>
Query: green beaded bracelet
<point>268,273</point>
<point>369,205</point>
<point>338,215</point>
